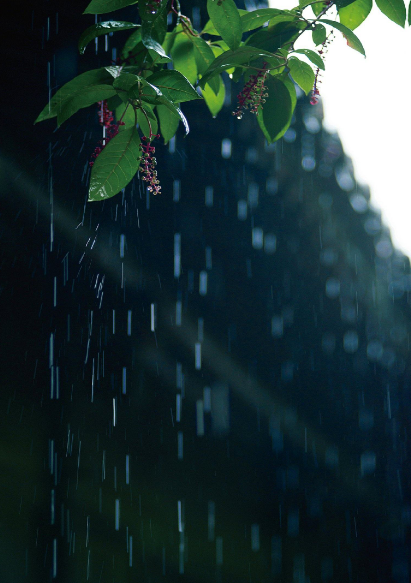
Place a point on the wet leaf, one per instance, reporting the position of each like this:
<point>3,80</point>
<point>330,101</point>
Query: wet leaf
<point>204,56</point>
<point>174,85</point>
<point>100,29</point>
<point>104,6</point>
<point>81,85</point>
<point>168,122</point>
<point>84,99</point>
<point>226,20</point>
<point>257,18</point>
<point>115,166</point>
<point>182,53</point>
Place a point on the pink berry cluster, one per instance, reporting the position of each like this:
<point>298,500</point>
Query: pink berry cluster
<point>323,50</point>
<point>148,164</point>
<point>106,119</point>
<point>253,94</point>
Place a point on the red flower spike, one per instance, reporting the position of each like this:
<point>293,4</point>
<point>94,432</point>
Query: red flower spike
<point>148,164</point>
<point>253,94</point>
<point>105,117</point>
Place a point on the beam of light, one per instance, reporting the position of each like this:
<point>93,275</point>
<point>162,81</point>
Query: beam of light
<point>364,101</point>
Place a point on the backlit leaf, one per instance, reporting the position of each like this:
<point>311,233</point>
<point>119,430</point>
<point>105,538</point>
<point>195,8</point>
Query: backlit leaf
<point>226,20</point>
<point>115,166</point>
<point>352,40</point>
<point>275,116</point>
<point>394,9</point>
<point>302,74</point>
<point>168,122</point>
<point>257,18</point>
<point>214,101</point>
<point>354,14</point>
<point>319,34</point>
<point>312,56</point>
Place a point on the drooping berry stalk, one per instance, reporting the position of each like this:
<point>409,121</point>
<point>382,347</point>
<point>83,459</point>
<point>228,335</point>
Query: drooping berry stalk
<point>253,95</point>
<point>148,164</point>
<point>323,50</point>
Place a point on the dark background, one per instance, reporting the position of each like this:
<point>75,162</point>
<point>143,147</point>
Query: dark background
<point>302,473</point>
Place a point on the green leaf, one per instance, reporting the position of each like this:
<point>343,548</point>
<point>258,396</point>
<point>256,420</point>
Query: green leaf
<point>115,166</point>
<point>143,123</point>
<point>125,112</point>
<point>275,117</point>
<point>204,56</point>
<point>168,122</point>
<point>274,37</point>
<point>152,95</point>
<point>317,8</point>
<point>409,14</point>
<point>101,28</point>
<point>352,40</point>
<point>313,56</point>
<point>242,56</point>
<point>256,18</point>
<point>214,101</point>
<point>319,34</point>
<point>125,81</point>
<point>84,99</point>
<point>393,9</point>
<point>302,74</point>
<point>104,6</point>
<point>226,20</point>
<point>174,85</point>
<point>354,14</point>
<point>182,53</point>
<point>82,84</point>
<point>210,29</point>
<point>131,43</point>
<point>154,26</point>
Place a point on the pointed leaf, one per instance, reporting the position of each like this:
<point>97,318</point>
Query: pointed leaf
<point>319,34</point>
<point>102,28</point>
<point>226,20</point>
<point>204,56</point>
<point>273,37</point>
<point>394,9</point>
<point>302,74</point>
<point>115,166</point>
<point>154,24</point>
<point>210,29</point>
<point>242,56</point>
<point>214,101</point>
<point>354,14</point>
<point>104,6</point>
<point>81,84</point>
<point>275,117</point>
<point>182,53</point>
<point>352,40</point>
<point>168,122</point>
<point>174,85</point>
<point>126,81</point>
<point>257,18</point>
<point>84,99</point>
<point>313,56</point>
